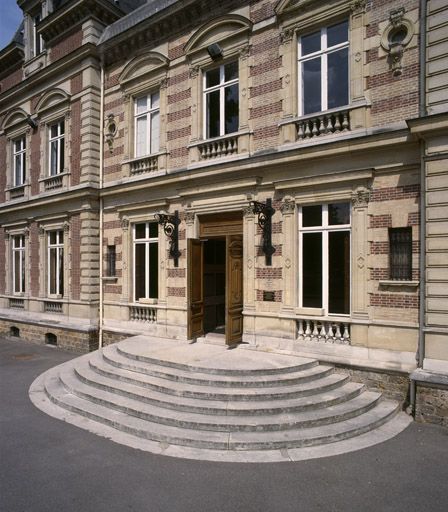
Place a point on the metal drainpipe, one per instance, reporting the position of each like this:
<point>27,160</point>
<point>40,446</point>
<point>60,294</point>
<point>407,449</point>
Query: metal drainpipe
<point>422,263</point>
<point>100,330</point>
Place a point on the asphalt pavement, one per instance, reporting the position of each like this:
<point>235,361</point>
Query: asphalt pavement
<point>47,465</point>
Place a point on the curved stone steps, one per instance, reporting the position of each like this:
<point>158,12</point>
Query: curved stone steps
<point>220,440</point>
<point>309,371</point>
<point>281,421</point>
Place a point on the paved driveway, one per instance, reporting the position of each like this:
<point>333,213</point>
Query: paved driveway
<point>47,465</point>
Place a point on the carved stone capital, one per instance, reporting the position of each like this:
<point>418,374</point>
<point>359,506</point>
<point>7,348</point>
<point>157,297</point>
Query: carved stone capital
<point>244,53</point>
<point>26,232</point>
<point>7,236</point>
<point>124,223</point>
<point>358,6</point>
<point>396,16</point>
<point>194,71</point>
<point>287,35</point>
<point>189,217</point>
<point>248,211</point>
<point>41,231</point>
<point>288,207</point>
<point>164,83</point>
<point>66,226</point>
<point>360,198</point>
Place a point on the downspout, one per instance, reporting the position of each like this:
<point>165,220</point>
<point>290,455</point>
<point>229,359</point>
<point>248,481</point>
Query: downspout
<point>101,316</point>
<point>422,260</point>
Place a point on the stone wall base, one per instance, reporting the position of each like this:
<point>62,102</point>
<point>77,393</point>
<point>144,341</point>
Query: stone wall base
<point>431,404</point>
<point>80,341</point>
<point>110,337</point>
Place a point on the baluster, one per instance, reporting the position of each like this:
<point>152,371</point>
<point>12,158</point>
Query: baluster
<point>346,332</point>
<point>330,331</point>
<point>300,331</point>
<point>321,125</point>
<point>300,131</point>
<point>345,123</point>
<point>307,129</point>
<point>337,123</point>
<point>323,332</point>
<point>338,334</point>
<point>315,331</point>
<point>308,330</point>
<point>315,131</point>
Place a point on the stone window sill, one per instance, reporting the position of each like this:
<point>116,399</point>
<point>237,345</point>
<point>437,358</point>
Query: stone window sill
<point>391,283</point>
<point>109,279</point>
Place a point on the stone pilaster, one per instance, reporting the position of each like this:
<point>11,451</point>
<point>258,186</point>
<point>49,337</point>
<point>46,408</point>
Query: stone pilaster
<point>288,209</point>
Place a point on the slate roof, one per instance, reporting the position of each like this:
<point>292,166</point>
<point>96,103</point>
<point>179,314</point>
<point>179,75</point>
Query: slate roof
<point>150,8</point>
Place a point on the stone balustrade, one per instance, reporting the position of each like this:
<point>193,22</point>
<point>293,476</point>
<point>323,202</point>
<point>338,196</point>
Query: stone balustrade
<point>52,307</point>
<point>144,165</point>
<point>323,123</point>
<point>53,182</point>
<point>16,303</point>
<point>218,148</point>
<point>326,331</point>
<point>16,192</point>
<point>145,314</point>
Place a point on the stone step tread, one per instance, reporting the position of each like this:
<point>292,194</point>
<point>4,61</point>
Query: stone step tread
<point>220,440</point>
<point>115,360</point>
<point>277,364</point>
<point>278,421</point>
<point>216,393</point>
<point>318,400</point>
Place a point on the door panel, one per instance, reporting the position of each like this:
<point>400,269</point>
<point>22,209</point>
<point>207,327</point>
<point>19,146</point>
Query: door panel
<point>234,289</point>
<point>195,288</point>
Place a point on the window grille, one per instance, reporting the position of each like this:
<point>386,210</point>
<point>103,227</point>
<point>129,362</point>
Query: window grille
<point>400,253</point>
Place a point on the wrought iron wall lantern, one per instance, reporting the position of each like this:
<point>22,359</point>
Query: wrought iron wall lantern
<point>265,212</point>
<point>170,225</point>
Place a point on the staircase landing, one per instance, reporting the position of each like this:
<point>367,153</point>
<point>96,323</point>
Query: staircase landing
<point>205,402</point>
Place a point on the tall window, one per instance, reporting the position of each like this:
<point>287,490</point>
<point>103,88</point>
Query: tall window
<point>18,263</point>
<point>147,124</point>
<point>111,261</point>
<point>400,253</point>
<point>56,263</point>
<point>146,261</point>
<point>19,161</point>
<point>323,69</point>
<point>56,140</point>
<point>324,251</point>
<point>221,99</point>
<point>37,38</point>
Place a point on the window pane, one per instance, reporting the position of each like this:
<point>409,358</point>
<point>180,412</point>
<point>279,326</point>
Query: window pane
<point>213,114</point>
<point>61,271</point>
<point>155,100</point>
<point>53,130</point>
<point>338,213</point>
<point>22,271</point>
<point>153,230</point>
<point>312,270</point>
<point>140,271</point>
<point>141,136</point>
<point>53,237</point>
<point>141,105</point>
<point>155,131</point>
<point>337,34</point>
<point>17,145</point>
<point>53,158</point>
<point>312,216</point>
<point>61,128</point>
<point>339,272</point>
<point>212,77</point>
<point>231,109</point>
<point>311,43</point>
<point>17,271</point>
<point>52,270</point>
<point>18,170</point>
<point>61,155</point>
<point>231,71</point>
<point>338,78</point>
<point>153,270</point>
<point>311,77</point>
<point>140,231</point>
<point>22,181</point>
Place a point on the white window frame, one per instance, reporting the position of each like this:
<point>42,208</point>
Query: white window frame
<point>221,88</point>
<point>37,41</point>
<point>323,53</point>
<point>22,154</point>
<point>149,114</point>
<point>143,241</point>
<point>59,139</point>
<point>58,247</point>
<point>325,228</point>
<point>20,249</point>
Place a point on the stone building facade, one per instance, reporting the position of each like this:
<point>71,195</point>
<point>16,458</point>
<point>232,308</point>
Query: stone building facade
<point>263,173</point>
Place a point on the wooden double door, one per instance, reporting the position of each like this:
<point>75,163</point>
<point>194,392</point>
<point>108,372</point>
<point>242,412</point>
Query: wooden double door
<point>215,279</point>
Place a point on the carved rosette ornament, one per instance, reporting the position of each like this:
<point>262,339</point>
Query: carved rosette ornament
<point>360,198</point>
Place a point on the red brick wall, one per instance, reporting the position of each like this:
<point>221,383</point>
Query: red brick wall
<point>66,46</point>
<point>390,300</point>
<point>75,159</point>
<point>277,295</point>
<point>76,84</point>
<point>75,255</point>
<point>11,80</point>
<point>35,161</point>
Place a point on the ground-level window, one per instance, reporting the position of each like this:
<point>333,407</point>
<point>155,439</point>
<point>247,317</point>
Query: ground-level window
<point>56,263</point>
<point>324,252</point>
<point>146,261</point>
<point>400,253</point>
<point>18,263</point>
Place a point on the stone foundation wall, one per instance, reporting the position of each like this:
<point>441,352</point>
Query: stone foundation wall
<point>431,405</point>
<point>110,337</point>
<point>391,385</point>
<point>68,339</point>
